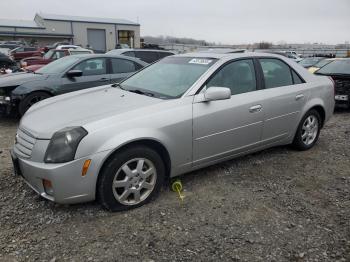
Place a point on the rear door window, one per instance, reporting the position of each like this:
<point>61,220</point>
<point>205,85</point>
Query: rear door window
<point>26,49</point>
<point>123,66</point>
<point>147,56</point>
<point>276,73</point>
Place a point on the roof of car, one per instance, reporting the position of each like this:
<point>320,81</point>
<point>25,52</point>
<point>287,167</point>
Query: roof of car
<point>223,50</point>
<point>227,55</point>
<point>122,50</point>
<point>82,56</point>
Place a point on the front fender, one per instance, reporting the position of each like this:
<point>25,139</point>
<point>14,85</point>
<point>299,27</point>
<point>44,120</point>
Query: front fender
<point>94,144</point>
<point>176,142</point>
<point>23,90</point>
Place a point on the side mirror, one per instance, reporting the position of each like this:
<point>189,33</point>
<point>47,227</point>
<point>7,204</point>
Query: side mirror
<point>217,93</point>
<point>74,73</point>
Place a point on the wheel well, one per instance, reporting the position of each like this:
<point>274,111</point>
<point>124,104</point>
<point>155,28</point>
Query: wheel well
<point>40,91</point>
<point>321,111</point>
<point>155,145</point>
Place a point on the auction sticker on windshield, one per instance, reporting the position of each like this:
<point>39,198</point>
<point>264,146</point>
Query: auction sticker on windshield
<point>200,61</point>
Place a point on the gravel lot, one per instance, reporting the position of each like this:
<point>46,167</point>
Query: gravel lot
<point>276,205</point>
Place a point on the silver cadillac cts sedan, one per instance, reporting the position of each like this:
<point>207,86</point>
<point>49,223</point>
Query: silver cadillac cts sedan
<point>120,143</point>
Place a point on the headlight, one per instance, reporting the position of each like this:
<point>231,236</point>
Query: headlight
<point>63,144</point>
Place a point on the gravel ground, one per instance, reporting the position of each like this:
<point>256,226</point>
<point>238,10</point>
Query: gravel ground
<point>276,205</point>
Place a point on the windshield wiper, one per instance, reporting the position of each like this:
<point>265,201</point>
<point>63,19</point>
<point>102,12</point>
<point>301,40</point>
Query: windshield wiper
<point>140,92</point>
<point>332,74</point>
<point>136,91</point>
<point>117,85</point>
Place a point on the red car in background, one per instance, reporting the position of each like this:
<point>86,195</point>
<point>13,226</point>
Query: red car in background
<point>51,55</point>
<point>22,52</point>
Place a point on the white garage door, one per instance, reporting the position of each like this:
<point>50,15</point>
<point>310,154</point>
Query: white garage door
<point>97,39</point>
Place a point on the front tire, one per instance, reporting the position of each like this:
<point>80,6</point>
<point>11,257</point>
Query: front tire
<point>30,100</point>
<point>131,178</point>
<point>308,131</point>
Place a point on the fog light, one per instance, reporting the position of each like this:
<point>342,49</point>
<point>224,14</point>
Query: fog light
<point>48,187</point>
<point>85,167</point>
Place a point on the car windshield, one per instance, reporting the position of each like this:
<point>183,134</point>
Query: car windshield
<point>58,66</point>
<point>336,67</point>
<point>48,54</point>
<point>310,61</point>
<point>168,78</point>
<point>322,63</point>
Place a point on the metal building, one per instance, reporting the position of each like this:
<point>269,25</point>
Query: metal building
<point>101,34</point>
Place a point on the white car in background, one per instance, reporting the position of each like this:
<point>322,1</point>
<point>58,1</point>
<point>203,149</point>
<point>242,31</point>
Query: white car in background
<point>60,47</point>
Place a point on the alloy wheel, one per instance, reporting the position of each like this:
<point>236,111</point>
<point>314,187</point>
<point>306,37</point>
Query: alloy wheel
<point>309,130</point>
<point>134,181</point>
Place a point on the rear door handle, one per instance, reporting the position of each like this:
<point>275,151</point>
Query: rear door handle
<point>256,108</point>
<point>298,97</point>
<point>104,79</point>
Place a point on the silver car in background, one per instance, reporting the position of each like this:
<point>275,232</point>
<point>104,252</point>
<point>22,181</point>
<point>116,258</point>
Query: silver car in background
<point>119,143</point>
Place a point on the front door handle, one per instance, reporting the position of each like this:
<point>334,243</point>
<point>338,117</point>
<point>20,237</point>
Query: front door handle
<point>256,108</point>
<point>298,97</point>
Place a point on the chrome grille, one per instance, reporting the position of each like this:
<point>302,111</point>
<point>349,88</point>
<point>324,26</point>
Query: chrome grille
<point>24,144</point>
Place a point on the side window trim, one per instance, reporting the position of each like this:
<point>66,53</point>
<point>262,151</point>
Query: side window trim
<point>270,57</point>
<point>109,69</point>
<point>258,86</point>
<point>136,65</point>
<point>295,72</point>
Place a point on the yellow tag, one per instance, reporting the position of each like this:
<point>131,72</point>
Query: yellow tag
<point>177,187</point>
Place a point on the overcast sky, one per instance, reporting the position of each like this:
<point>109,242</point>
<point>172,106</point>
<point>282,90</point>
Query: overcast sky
<point>224,21</point>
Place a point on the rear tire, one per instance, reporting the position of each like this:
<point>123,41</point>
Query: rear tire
<point>131,178</point>
<point>30,100</point>
<point>308,131</point>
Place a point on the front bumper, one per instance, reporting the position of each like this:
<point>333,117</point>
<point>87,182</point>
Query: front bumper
<point>68,185</point>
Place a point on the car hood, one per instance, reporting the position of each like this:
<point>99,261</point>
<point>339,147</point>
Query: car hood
<point>17,79</point>
<point>81,108</point>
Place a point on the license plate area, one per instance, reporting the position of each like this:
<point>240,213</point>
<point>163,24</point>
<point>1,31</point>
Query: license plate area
<point>342,97</point>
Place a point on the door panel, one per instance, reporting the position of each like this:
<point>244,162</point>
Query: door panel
<point>94,74</point>
<point>282,108</point>
<point>226,127</point>
<point>283,100</point>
